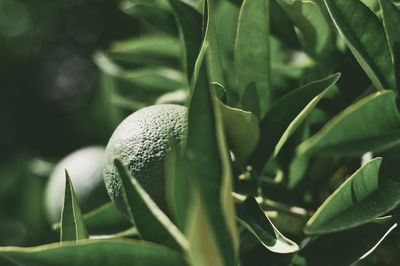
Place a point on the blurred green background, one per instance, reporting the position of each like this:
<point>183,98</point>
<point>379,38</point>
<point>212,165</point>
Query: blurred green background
<point>50,103</point>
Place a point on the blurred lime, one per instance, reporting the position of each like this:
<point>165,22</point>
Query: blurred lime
<point>85,167</point>
<point>142,142</point>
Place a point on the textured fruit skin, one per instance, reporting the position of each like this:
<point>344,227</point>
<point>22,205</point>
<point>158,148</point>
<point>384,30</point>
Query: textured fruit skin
<point>142,142</point>
<point>85,167</point>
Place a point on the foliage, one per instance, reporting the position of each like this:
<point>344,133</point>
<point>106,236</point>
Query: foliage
<point>290,156</point>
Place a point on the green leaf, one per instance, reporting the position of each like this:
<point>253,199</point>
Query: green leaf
<point>242,131</point>
<point>373,123</point>
<point>213,57</point>
<point>146,78</point>
<point>178,186</point>
<point>348,247</point>
<point>152,224</point>
<point>95,252</point>
<point>106,219</point>
<point>254,219</point>
<point>281,25</point>
<point>360,199</point>
<point>391,20</point>
<point>281,121</point>
<point>162,79</point>
<point>204,243</point>
<point>210,172</point>
<point>157,16</point>
<point>365,36</point>
<point>190,26</point>
<point>314,31</point>
<point>149,50</point>
<point>72,225</point>
<point>252,54</point>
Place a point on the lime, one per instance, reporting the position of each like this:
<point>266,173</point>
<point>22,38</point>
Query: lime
<point>85,167</point>
<point>142,142</point>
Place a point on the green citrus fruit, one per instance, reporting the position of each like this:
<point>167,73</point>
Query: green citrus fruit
<point>85,167</point>
<point>142,142</point>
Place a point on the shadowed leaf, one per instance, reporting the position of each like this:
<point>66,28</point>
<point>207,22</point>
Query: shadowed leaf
<point>349,246</point>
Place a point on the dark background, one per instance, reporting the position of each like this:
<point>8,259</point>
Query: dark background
<point>49,87</point>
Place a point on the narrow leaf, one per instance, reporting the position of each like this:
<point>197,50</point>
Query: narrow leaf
<point>372,123</point>
<point>204,249</point>
<point>152,224</point>
<point>161,79</point>
<point>190,25</point>
<point>242,131</point>
<point>280,121</point>
<point>209,164</point>
<point>252,54</point>
<point>254,219</point>
<point>391,22</point>
<point>348,247</point>
<point>360,199</point>
<point>72,225</point>
<point>95,252</point>
<point>148,50</point>
<point>365,36</point>
<point>178,186</point>
<point>213,57</point>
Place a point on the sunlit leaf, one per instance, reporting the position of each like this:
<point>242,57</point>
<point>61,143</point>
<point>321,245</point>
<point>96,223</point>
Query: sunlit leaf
<point>372,123</point>
<point>95,252</point>
<point>360,199</point>
<point>254,219</point>
<point>72,225</point>
<point>210,172</point>
<point>281,121</point>
<point>365,36</point>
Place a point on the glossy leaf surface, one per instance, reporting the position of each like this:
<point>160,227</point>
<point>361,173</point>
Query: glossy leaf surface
<point>365,36</point>
<point>361,198</point>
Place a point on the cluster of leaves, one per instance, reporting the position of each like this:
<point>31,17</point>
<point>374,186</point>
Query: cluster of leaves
<point>286,99</point>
